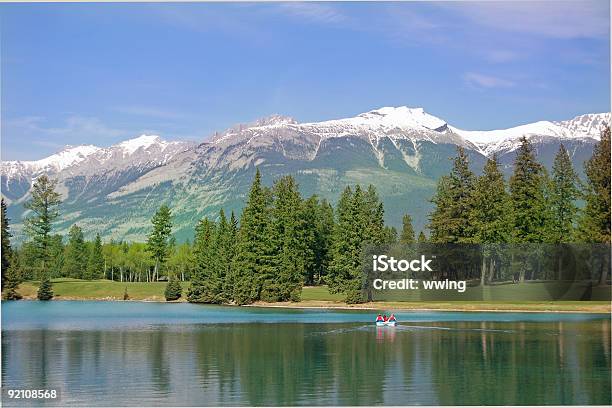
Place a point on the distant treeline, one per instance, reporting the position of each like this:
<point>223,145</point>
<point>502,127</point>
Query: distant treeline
<point>284,241</point>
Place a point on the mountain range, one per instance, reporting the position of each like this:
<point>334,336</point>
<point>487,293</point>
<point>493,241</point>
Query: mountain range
<point>402,151</point>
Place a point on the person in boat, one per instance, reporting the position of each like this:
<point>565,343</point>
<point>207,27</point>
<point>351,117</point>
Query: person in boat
<point>392,318</point>
<point>379,318</point>
<point>385,318</point>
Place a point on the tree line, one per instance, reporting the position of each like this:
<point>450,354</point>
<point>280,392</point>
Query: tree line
<point>284,241</point>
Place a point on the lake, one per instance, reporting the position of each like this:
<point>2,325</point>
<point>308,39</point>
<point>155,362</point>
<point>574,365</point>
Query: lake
<point>133,353</point>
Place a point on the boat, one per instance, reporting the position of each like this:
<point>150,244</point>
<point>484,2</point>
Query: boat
<point>391,323</point>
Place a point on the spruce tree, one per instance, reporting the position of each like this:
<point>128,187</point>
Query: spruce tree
<point>527,194</point>
<point>342,244</point>
<point>288,250</point>
<point>11,284</point>
<point>95,263</point>
<point>202,282</point>
<point>564,193</point>
<point>594,222</point>
<point>75,263</point>
<point>158,239</point>
<point>56,255</point>
<point>422,238</point>
<point>252,246</point>
<point>407,236</point>
<point>45,290</point>
<point>44,211</point>
<point>490,214</point>
<point>449,222</point>
<point>5,232</point>
<point>173,290</point>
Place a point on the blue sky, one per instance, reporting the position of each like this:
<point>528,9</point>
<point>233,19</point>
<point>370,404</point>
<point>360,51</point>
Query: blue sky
<point>102,73</point>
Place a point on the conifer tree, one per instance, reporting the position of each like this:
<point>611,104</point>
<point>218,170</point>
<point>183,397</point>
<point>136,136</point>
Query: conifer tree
<point>390,235</point>
<point>252,246</point>
<point>95,262</point>
<point>45,290</point>
<point>56,255</point>
<point>75,264</point>
<point>203,281</point>
<point>173,289</point>
<point>5,232</point>
<point>158,239</point>
<point>564,193</point>
<point>44,207</point>
<point>343,244</point>
<point>11,284</point>
<point>527,193</point>
<point>490,216</point>
<point>422,238</point>
<point>288,248</point>
<point>309,214</point>
<point>449,222</point>
<point>594,223</point>
<point>407,236</point>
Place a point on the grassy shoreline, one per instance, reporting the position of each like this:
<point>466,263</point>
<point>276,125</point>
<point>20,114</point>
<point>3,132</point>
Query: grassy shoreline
<point>312,297</point>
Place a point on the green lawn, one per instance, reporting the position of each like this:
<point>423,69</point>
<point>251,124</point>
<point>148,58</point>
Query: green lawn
<point>495,297</point>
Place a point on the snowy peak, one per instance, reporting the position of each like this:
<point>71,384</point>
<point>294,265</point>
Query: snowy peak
<point>142,142</point>
<point>403,117</point>
<point>67,157</point>
<point>589,125</point>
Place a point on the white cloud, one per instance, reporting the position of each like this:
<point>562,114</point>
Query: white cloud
<point>315,12</point>
<point>552,19</point>
<point>486,81</point>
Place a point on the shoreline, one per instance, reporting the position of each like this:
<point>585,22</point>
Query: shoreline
<point>595,307</point>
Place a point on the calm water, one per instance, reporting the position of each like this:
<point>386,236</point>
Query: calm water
<point>128,353</point>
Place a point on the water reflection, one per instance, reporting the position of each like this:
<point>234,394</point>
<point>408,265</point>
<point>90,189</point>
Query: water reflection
<point>318,364</point>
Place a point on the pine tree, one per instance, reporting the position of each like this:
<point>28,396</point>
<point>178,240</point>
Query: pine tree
<point>343,243</point>
<point>252,246</point>
<point>407,236</point>
<point>309,214</point>
<point>449,222</point>
<point>158,239</point>
<point>44,207</point>
<point>594,223</point>
<point>203,281</point>
<point>527,193</point>
<point>95,263</point>
<point>564,193</point>
<point>490,216</point>
<point>75,263</point>
<point>11,284</point>
<point>422,238</point>
<point>45,290</point>
<point>5,232</point>
<point>56,255</point>
<point>173,290</point>
<point>288,251</point>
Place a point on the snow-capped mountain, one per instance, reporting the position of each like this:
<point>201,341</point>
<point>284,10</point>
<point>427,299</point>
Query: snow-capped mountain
<point>401,150</point>
<point>139,154</point>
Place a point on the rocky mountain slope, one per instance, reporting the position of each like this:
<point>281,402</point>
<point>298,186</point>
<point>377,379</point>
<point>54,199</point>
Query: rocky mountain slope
<point>402,151</point>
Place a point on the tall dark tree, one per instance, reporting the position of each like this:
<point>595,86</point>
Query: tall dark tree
<point>5,232</point>
<point>56,255</point>
<point>173,289</point>
<point>75,259</point>
<point>95,261</point>
<point>407,235</point>
<point>11,284</point>
<point>449,222</point>
<point>563,195</point>
<point>158,239</point>
<point>527,193</point>
<point>594,225</point>
<point>288,244</point>
<point>490,216</point>
<point>204,282</point>
<point>45,290</point>
<point>252,246</point>
<point>44,211</point>
<point>323,240</point>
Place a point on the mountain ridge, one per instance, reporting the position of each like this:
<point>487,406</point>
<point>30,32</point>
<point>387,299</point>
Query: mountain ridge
<point>401,150</point>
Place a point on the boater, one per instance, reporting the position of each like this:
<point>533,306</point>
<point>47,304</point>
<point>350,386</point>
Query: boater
<point>392,317</point>
<point>379,318</point>
<point>385,318</point>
